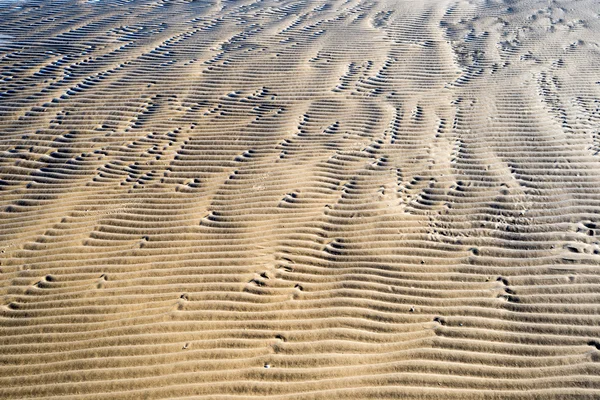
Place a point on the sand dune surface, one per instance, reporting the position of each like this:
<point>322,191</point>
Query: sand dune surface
<point>286,199</point>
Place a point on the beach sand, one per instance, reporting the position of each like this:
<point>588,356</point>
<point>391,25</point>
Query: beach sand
<point>300,199</point>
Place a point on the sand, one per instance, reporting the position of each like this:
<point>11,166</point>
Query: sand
<point>300,199</point>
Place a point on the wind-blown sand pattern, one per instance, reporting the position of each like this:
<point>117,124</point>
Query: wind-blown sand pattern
<point>300,199</point>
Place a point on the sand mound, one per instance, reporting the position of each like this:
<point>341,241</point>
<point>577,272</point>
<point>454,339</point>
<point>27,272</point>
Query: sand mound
<point>299,199</point>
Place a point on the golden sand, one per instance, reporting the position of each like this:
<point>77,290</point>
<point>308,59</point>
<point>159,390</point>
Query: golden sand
<point>300,199</point>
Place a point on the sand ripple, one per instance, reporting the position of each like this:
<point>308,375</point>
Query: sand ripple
<point>299,199</point>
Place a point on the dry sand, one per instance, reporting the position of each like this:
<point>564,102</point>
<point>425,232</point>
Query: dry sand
<point>298,199</point>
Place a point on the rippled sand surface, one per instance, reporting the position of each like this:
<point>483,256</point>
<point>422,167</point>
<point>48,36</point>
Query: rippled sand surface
<point>300,199</point>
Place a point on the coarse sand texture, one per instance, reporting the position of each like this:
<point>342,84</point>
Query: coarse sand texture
<point>297,199</point>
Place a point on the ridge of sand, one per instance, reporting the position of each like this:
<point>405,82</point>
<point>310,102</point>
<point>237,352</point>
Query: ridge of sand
<point>299,199</point>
